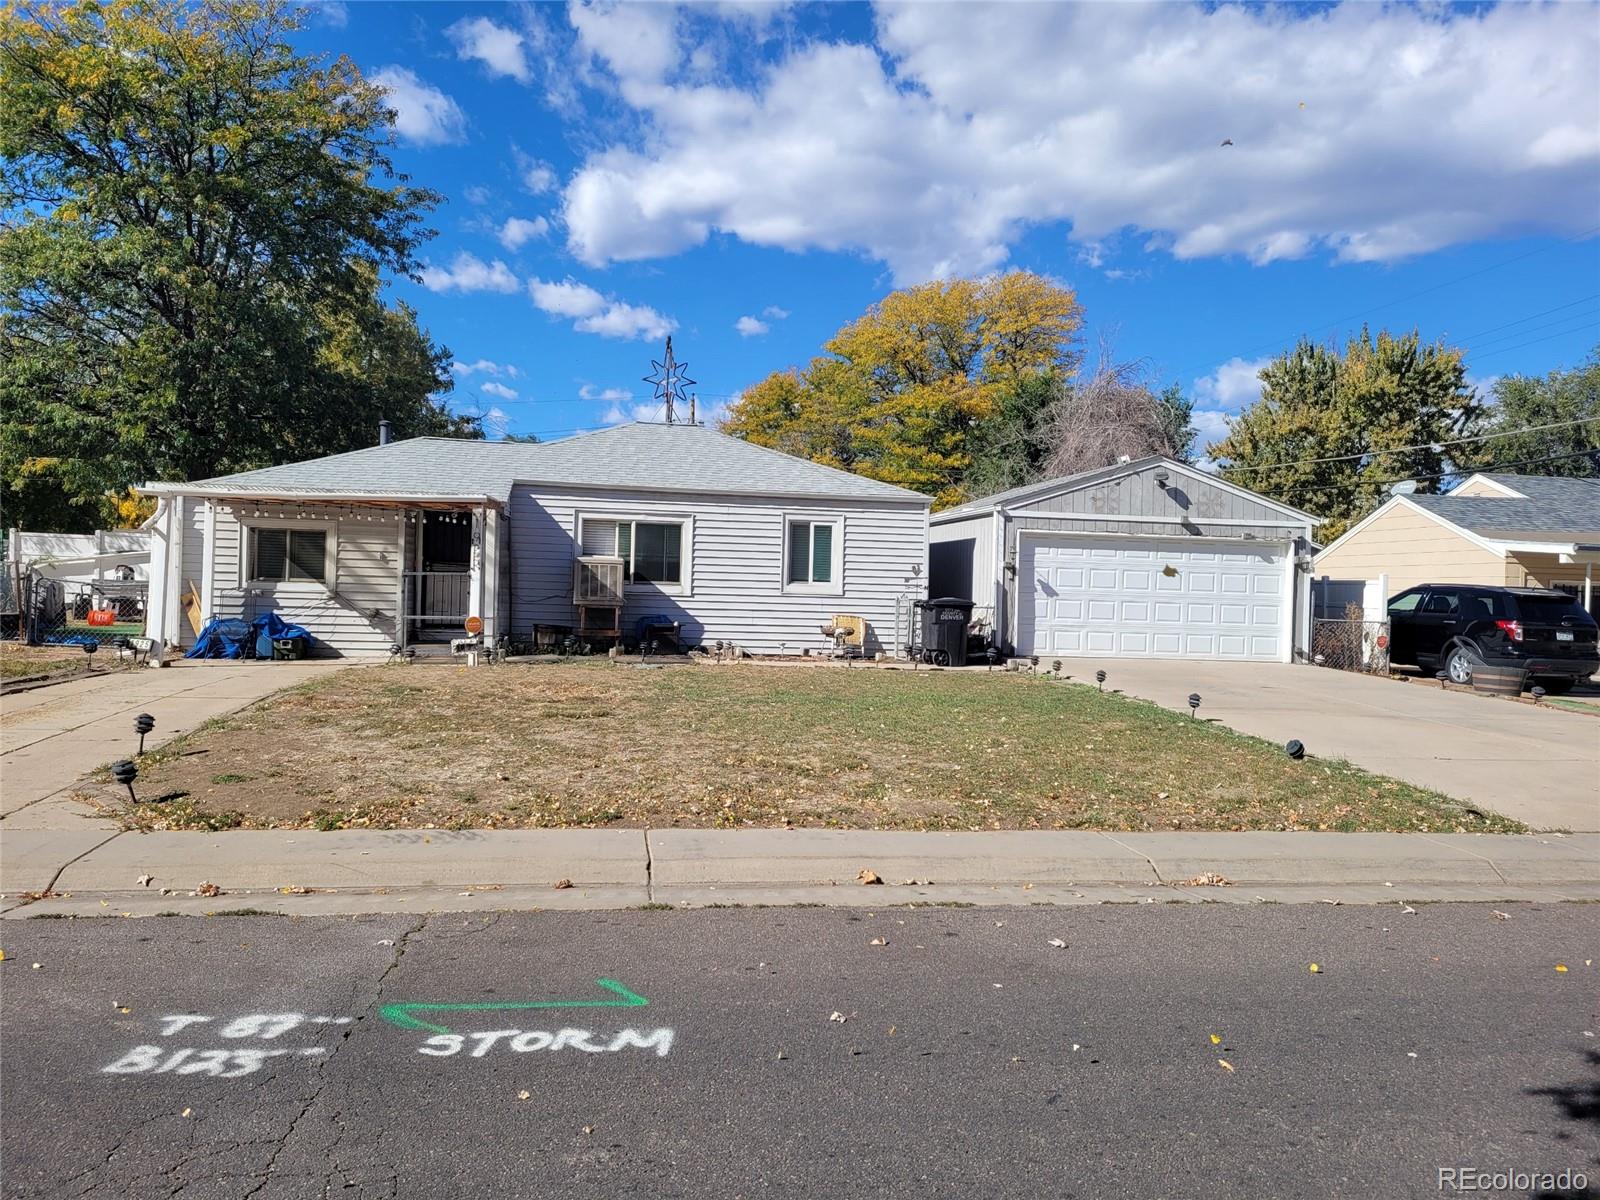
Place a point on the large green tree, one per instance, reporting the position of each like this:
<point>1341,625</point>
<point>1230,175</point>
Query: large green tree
<point>1543,425</point>
<point>1334,426</point>
<point>904,390</point>
<point>196,221</point>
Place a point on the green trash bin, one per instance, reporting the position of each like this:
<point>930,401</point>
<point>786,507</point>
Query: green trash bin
<point>289,648</point>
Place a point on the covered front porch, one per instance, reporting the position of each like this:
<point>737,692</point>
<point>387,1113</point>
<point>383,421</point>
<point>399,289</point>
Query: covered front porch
<point>361,573</point>
<point>1567,567</point>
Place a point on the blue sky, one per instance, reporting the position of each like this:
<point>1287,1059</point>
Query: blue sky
<point>751,176</point>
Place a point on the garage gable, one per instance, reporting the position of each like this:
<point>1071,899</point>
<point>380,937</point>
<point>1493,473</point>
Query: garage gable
<point>1160,491</point>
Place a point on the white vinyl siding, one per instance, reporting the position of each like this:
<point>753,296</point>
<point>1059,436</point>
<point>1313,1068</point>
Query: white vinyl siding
<point>734,556</point>
<point>354,616</point>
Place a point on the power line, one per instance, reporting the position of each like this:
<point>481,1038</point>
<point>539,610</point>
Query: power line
<point>1482,437</point>
<point>1488,345</point>
<point>1527,462</point>
<point>1425,291</point>
<point>1525,320</point>
<point>1536,341</point>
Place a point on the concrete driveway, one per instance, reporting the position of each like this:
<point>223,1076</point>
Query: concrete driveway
<point>1540,766</point>
<point>50,737</point>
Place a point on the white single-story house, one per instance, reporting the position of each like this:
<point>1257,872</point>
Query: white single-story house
<point>1500,530</point>
<point>1150,559</point>
<point>405,541</point>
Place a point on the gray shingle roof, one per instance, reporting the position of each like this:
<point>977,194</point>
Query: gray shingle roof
<point>679,458</point>
<point>1551,506</point>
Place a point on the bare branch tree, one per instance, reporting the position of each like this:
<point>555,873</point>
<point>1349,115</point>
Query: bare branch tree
<point>1113,413</point>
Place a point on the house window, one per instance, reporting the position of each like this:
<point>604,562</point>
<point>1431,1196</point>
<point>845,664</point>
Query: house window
<point>651,551</point>
<point>289,555</point>
<point>811,554</point>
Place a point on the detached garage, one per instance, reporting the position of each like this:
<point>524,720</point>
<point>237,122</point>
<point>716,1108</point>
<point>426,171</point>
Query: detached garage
<point>1145,559</point>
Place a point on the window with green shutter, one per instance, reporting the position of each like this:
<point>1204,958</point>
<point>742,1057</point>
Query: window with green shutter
<point>811,546</point>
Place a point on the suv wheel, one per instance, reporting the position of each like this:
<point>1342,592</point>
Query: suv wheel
<point>1459,665</point>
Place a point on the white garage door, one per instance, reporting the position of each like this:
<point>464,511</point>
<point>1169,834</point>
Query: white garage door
<point>1151,598</point>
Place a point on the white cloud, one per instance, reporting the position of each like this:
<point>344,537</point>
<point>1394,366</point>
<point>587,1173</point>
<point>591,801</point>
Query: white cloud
<point>649,410</point>
<point>469,273</point>
<point>496,422</point>
<point>537,176</point>
<point>750,327</point>
<point>486,367</point>
<point>1367,132</point>
<point>566,299</point>
<point>477,195</point>
<point>498,390</point>
<point>628,321</point>
<point>592,312</point>
<point>497,47</point>
<point>614,395</point>
<point>422,113</point>
<point>773,312</point>
<point>1232,386</point>
<point>517,231</point>
<point>333,13</point>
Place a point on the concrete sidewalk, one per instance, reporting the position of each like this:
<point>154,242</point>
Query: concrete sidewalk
<point>304,872</point>
<point>1540,766</point>
<point>51,737</point>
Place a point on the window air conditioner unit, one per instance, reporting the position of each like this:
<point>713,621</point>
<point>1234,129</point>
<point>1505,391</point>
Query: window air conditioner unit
<point>597,580</point>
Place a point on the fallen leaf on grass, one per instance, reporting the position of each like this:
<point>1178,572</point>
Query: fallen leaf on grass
<point>561,884</point>
<point>1058,943</point>
<point>866,877</point>
<point>1225,1065</point>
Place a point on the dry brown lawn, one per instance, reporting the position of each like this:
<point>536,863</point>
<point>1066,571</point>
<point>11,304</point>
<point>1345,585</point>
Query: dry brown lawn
<point>599,743</point>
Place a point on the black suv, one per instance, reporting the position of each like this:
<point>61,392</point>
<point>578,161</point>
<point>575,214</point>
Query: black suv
<point>1459,627</point>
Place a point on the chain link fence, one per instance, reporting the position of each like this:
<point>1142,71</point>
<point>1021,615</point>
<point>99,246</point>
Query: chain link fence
<point>57,612</point>
<point>1351,643</point>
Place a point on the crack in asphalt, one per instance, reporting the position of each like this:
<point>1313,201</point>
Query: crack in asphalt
<point>264,1176</point>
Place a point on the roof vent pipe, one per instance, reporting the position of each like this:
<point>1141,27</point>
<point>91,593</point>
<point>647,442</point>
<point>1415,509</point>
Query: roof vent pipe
<point>383,433</point>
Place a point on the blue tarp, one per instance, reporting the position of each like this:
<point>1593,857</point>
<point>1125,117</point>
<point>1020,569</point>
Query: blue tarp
<point>228,638</point>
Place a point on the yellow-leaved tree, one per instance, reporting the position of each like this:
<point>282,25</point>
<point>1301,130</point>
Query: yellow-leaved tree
<point>904,390</point>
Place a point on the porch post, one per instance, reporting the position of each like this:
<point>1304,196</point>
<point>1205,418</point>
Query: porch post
<point>401,625</point>
<point>1588,587</point>
<point>490,583</point>
<point>475,570</point>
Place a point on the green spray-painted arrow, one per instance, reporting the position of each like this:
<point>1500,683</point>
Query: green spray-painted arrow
<point>400,1014</point>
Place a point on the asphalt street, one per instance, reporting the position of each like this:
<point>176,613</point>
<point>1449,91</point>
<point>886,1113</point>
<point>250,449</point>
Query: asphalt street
<point>1180,1050</point>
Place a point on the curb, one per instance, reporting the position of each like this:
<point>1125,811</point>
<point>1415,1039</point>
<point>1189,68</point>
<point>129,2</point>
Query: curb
<point>304,872</point>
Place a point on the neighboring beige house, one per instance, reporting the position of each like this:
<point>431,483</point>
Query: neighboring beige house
<point>1502,530</point>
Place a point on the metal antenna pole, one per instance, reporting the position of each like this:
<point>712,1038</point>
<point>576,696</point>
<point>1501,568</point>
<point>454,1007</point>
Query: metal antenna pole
<point>671,384</point>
